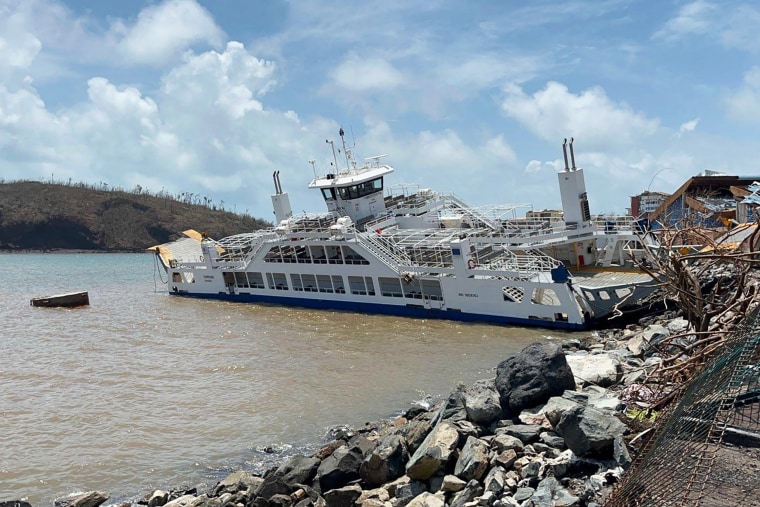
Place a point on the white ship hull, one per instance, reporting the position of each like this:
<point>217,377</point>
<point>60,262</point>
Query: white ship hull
<point>419,254</point>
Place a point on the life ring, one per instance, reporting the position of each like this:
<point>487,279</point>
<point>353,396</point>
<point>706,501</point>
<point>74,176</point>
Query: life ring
<point>201,258</point>
<point>472,264</point>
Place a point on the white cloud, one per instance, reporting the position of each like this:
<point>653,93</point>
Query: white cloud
<point>554,113</point>
<point>692,18</point>
<point>367,74</point>
<point>744,104</point>
<point>211,83</point>
<point>732,25</point>
<point>165,30</point>
<point>534,166</point>
<point>689,126</point>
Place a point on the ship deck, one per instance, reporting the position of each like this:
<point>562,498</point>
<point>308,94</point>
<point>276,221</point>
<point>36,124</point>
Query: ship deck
<point>595,277</point>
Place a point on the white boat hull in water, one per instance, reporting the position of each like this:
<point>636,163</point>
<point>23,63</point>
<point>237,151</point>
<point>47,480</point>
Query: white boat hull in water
<point>414,252</point>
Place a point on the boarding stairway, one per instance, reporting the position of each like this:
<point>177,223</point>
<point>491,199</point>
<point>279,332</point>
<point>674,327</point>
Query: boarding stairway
<point>389,256</point>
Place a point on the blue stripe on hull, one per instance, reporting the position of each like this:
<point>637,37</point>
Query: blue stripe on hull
<point>379,308</point>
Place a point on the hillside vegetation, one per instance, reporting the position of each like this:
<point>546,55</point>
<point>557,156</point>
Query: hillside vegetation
<point>47,216</point>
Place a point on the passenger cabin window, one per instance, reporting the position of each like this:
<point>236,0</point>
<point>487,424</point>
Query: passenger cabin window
<point>360,190</point>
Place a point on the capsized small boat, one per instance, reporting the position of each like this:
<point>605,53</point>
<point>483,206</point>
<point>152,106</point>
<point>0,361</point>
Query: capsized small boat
<point>69,300</point>
<point>415,252</point>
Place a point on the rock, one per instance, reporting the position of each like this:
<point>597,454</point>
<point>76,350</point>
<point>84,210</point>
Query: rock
<point>589,431</point>
<point>558,405</point>
<point>276,501</point>
<point>159,498</point>
<point>340,468</point>
<point>654,334</point>
<point>393,486</point>
<point>415,433</point>
<point>453,408</point>
<point>297,469</point>
<point>523,494</point>
<point>14,503</point>
<point>551,439</point>
<point>373,497</point>
<point>620,452</point>
<point>434,452</point>
<point>473,460</point>
<point>550,493</point>
<point>481,402</point>
<point>452,484</point>
<point>637,345</point>
<point>530,470</point>
<point>182,501</point>
<point>505,459</point>
<point>426,500</point>
<point>527,433</point>
<point>595,369</point>
<point>530,378</point>
<point>343,497</point>
<point>495,481</point>
<point>503,442</point>
<point>89,499</point>
<point>235,482</point>
<point>560,465</point>
<point>678,325</point>
<point>466,429</point>
<point>386,462</point>
<point>471,491</point>
<point>534,416</point>
<point>406,492</point>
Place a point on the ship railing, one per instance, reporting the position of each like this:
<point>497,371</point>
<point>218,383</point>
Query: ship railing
<point>530,262</point>
<point>239,250</point>
<point>388,255</point>
<point>380,223</point>
<point>473,212</point>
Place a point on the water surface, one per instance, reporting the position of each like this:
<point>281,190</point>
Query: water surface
<point>141,390</point>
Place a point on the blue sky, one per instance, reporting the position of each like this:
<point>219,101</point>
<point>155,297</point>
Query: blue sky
<point>466,97</point>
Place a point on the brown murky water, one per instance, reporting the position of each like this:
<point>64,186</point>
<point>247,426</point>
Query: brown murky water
<point>142,390</point>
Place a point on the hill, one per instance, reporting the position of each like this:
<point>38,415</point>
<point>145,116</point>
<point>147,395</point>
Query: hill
<point>42,216</point>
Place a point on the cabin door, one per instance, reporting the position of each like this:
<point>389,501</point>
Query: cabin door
<point>432,296</point>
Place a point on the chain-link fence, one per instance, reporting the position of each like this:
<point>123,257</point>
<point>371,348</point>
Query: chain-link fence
<point>706,451</point>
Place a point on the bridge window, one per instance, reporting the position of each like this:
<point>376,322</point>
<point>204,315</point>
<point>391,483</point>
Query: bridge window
<point>360,190</point>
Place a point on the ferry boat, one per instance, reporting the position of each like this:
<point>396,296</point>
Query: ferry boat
<point>411,251</point>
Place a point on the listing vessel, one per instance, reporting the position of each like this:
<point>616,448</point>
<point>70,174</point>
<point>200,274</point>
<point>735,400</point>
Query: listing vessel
<point>411,251</point>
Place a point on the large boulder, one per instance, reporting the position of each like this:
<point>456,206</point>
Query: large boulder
<point>434,453</point>
<point>482,404</point>
<point>343,497</point>
<point>237,481</point>
<point>386,462</point>
<point>297,469</point>
<point>414,432</point>
<point>590,431</point>
<point>473,460</point>
<point>596,369</point>
<point>530,378</point>
<point>89,499</point>
<point>453,408</point>
<point>342,466</point>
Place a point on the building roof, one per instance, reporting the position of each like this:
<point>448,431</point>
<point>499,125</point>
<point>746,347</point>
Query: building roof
<point>706,185</point>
